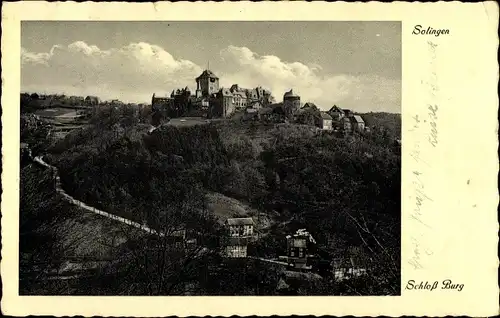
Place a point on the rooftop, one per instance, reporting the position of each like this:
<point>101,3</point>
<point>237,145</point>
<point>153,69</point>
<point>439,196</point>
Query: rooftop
<point>357,119</point>
<point>290,94</point>
<point>240,221</point>
<point>207,73</point>
<point>336,109</point>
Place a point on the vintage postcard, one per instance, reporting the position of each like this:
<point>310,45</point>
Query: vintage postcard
<point>176,158</point>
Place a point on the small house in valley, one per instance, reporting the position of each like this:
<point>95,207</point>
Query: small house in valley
<point>236,247</point>
<point>240,227</point>
<point>298,246</point>
<point>239,234</point>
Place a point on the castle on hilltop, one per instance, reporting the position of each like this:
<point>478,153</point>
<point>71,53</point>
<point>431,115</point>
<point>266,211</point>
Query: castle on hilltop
<point>210,100</point>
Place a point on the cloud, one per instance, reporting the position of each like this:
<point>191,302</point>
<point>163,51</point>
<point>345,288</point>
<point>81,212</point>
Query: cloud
<point>130,73</point>
<point>362,93</point>
<point>135,71</point>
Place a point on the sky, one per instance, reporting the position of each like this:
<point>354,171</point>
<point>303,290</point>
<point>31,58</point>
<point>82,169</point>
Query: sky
<point>354,65</point>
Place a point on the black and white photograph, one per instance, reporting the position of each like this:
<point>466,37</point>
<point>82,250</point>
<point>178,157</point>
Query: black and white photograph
<point>210,158</point>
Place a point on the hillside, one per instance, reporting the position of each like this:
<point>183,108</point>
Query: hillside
<point>345,191</point>
<point>389,121</point>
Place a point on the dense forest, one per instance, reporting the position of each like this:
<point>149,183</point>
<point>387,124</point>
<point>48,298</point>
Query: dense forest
<point>344,190</point>
<point>388,122</point>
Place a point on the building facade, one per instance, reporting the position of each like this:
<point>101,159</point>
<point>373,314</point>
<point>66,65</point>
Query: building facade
<point>358,124</point>
<point>207,84</point>
<point>236,247</point>
<point>291,103</point>
<point>239,234</point>
<point>324,121</point>
<point>240,227</point>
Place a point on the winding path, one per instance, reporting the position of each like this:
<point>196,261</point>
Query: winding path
<point>39,160</point>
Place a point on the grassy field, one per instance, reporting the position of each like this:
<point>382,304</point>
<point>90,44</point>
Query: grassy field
<point>224,207</point>
<point>187,121</point>
<point>56,112</point>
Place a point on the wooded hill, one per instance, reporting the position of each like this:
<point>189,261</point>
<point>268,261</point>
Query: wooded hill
<point>346,191</point>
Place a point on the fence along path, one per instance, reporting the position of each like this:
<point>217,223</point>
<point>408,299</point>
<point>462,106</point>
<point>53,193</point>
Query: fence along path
<point>89,208</point>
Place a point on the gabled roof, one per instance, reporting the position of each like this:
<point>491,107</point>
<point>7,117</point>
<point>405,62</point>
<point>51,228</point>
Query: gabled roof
<point>240,221</point>
<point>309,105</point>
<point>336,109</point>
<point>357,119</point>
<point>207,73</point>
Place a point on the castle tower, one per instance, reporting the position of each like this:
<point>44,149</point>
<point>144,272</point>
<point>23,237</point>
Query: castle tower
<point>291,102</point>
<point>207,84</point>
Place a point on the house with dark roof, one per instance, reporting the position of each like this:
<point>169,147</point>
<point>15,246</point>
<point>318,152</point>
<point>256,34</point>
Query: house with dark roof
<point>336,113</point>
<point>358,124</point>
<point>240,233</point>
<point>324,121</point>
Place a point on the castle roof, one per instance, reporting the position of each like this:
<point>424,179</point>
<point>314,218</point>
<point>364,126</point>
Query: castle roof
<point>207,73</point>
<point>290,94</point>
